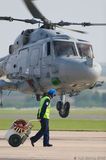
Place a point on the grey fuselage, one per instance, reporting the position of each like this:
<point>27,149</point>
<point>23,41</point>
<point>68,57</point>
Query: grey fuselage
<point>41,59</point>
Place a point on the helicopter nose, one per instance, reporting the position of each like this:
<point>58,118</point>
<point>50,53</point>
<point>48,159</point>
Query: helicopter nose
<point>96,71</point>
<point>92,73</point>
<point>77,70</point>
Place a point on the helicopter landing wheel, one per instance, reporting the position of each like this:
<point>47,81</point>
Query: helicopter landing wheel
<point>64,111</point>
<point>59,105</point>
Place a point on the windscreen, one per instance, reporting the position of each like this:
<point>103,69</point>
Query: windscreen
<point>62,48</point>
<point>85,50</point>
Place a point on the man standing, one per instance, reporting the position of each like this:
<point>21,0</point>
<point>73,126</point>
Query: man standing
<point>43,116</point>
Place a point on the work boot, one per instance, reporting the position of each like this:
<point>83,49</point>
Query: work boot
<point>47,145</point>
<point>32,143</point>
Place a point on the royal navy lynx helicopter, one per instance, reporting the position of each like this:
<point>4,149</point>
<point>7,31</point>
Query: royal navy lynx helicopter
<point>44,58</point>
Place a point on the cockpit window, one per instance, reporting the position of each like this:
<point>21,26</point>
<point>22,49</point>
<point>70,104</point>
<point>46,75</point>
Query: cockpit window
<point>62,48</point>
<point>85,50</point>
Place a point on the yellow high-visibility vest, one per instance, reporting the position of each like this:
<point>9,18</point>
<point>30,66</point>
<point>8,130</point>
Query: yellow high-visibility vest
<point>47,113</point>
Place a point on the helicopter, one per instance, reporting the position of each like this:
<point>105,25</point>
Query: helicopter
<point>45,58</point>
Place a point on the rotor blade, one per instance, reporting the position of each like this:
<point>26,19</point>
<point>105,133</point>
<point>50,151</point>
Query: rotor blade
<point>34,10</point>
<point>6,18</point>
<point>79,31</point>
<point>74,30</point>
<point>31,21</point>
<point>10,19</point>
<point>93,24</point>
<point>62,23</point>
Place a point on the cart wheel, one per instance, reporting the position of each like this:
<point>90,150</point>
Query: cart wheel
<point>14,140</point>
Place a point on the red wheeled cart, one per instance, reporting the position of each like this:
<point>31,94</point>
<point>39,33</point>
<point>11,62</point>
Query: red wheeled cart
<point>18,132</point>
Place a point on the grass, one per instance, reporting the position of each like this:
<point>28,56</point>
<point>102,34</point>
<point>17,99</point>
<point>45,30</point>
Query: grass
<point>85,111</point>
<point>64,124</point>
<point>59,123</point>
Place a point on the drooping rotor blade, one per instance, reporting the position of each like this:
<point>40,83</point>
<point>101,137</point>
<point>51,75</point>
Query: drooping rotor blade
<point>35,11</point>
<point>79,31</point>
<point>10,19</point>
<point>62,23</point>
<point>74,30</point>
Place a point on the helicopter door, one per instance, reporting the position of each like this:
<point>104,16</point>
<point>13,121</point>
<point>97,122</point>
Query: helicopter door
<point>35,61</point>
<point>46,61</point>
<point>23,62</point>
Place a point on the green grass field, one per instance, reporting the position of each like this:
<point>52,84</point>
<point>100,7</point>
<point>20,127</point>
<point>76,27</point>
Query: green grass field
<point>86,111</point>
<point>59,123</point>
<point>64,124</point>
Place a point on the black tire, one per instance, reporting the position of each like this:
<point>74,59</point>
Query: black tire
<point>59,105</point>
<point>67,106</point>
<point>14,140</point>
<point>64,113</point>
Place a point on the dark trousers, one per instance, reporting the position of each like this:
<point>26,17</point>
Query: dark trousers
<point>44,131</point>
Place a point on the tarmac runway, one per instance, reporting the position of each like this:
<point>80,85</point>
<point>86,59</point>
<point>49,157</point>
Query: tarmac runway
<point>66,146</point>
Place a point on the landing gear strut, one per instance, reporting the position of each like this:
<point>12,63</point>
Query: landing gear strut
<point>63,107</point>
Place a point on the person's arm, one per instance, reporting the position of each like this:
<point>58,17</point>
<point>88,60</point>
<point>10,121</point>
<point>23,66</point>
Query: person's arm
<point>45,105</point>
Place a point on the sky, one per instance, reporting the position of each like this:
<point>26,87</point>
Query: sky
<point>56,10</point>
